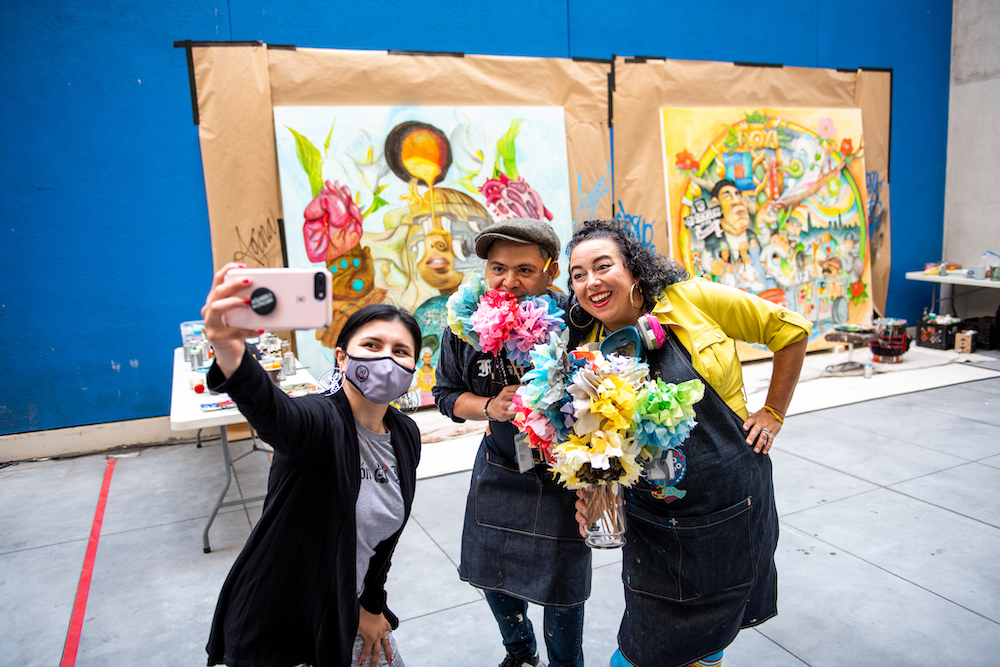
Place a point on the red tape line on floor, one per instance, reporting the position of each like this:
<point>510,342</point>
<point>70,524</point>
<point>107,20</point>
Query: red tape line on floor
<point>83,590</point>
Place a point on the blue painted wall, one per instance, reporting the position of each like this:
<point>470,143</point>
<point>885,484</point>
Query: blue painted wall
<point>104,237</point>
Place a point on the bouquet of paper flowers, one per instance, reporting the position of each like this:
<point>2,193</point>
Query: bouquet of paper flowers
<point>492,321</point>
<point>601,422</point>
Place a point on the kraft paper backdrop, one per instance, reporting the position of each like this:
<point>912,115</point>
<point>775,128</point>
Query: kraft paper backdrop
<point>643,88</point>
<point>238,154</point>
<point>873,95</point>
<point>238,85</point>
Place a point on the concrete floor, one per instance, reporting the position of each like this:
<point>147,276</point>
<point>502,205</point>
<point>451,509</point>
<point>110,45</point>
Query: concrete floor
<point>890,538</point>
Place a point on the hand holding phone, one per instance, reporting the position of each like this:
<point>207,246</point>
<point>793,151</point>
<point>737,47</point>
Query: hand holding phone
<point>283,299</point>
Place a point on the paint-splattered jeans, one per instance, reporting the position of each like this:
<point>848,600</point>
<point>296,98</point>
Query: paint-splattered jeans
<point>563,630</point>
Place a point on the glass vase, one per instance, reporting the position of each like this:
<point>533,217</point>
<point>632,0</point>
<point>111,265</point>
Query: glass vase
<point>607,519</point>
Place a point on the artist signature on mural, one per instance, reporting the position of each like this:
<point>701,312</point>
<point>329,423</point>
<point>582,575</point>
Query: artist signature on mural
<point>260,245</point>
<point>587,210</point>
<point>637,226</point>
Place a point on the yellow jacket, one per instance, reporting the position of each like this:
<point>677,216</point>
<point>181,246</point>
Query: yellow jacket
<point>708,318</point>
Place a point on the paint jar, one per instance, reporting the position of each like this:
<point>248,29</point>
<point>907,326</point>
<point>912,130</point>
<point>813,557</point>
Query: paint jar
<point>869,371</point>
<point>197,358</point>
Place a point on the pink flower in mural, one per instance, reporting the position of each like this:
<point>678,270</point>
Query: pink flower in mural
<point>333,223</point>
<point>686,161</point>
<point>514,199</point>
<point>846,146</point>
<point>826,128</point>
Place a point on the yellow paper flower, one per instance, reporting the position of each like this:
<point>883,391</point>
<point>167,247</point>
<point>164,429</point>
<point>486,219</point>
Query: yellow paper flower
<point>598,457</point>
<point>615,402</point>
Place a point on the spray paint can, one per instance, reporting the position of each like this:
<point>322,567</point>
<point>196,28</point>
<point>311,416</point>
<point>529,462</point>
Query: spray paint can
<point>288,363</point>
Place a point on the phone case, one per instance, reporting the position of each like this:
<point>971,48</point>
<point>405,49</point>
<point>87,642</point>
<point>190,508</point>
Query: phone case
<point>283,299</point>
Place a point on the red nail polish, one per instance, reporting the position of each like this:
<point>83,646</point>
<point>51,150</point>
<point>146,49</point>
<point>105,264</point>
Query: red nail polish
<point>246,301</point>
<point>260,331</point>
<point>246,280</point>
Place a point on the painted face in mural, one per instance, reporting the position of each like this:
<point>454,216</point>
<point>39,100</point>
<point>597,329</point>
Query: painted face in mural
<point>735,216</point>
<point>603,283</point>
<point>519,268</point>
<point>793,227</point>
<point>437,266</point>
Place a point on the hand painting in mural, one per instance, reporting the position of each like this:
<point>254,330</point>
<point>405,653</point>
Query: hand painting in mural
<point>773,203</point>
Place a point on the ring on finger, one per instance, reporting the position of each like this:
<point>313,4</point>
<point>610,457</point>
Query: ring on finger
<point>766,433</point>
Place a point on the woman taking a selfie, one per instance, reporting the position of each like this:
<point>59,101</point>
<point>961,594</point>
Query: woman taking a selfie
<point>698,560</point>
<point>309,585</point>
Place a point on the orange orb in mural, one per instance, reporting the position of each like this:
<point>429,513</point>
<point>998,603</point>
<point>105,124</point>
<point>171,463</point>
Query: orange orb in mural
<point>418,151</point>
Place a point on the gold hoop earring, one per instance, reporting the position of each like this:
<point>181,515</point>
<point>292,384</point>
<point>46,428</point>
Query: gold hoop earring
<point>631,298</point>
<point>574,322</point>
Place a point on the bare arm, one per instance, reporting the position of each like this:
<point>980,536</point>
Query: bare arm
<point>784,377</point>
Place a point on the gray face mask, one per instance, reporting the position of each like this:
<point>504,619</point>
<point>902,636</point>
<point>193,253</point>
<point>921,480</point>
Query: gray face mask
<point>379,379</point>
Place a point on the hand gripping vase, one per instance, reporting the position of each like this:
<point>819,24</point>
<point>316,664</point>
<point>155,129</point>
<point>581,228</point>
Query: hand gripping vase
<point>607,520</point>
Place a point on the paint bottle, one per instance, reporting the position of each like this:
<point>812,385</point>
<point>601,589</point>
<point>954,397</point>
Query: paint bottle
<point>869,371</point>
<point>197,360</point>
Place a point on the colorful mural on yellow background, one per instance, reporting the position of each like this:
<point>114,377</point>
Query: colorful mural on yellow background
<point>773,202</point>
<point>391,198</point>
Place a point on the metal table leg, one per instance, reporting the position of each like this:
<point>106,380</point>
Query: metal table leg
<point>225,489</point>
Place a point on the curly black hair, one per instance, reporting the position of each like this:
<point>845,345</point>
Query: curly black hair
<point>651,270</point>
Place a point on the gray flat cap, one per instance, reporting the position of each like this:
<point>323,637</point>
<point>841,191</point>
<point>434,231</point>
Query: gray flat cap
<point>519,230</point>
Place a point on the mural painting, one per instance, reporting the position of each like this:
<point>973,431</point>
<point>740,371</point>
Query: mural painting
<point>773,202</point>
<point>391,199</point>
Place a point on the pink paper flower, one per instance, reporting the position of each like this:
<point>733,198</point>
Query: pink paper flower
<point>539,429</point>
<point>333,223</point>
<point>494,319</point>
<point>534,325</point>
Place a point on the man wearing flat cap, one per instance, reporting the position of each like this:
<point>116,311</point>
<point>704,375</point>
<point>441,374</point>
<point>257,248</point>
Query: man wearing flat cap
<point>520,542</point>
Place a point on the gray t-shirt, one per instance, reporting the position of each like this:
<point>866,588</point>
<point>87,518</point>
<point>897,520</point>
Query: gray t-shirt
<point>379,511</point>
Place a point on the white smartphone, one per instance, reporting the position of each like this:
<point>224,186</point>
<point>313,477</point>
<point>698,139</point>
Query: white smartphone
<point>283,299</point>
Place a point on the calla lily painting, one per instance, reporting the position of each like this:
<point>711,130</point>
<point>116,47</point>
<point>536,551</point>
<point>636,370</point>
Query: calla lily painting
<point>391,198</point>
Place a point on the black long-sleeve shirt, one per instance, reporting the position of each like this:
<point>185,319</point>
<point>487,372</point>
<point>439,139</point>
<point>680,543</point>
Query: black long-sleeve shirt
<point>291,595</point>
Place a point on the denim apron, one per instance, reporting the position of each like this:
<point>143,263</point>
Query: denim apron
<point>698,565</point>
<point>520,535</point>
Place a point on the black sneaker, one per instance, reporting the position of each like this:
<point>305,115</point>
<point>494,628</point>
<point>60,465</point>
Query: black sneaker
<point>511,661</point>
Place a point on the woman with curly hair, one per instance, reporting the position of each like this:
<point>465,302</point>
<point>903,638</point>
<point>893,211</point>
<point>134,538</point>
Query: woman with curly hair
<point>698,560</point>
